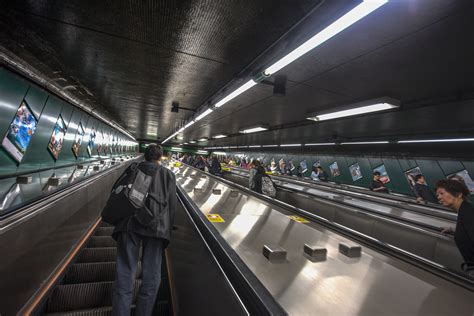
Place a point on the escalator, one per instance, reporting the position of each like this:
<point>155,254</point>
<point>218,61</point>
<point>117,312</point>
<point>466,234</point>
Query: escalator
<point>86,288</point>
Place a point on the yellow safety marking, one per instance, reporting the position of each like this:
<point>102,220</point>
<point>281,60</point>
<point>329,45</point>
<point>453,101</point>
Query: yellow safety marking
<point>268,172</point>
<point>215,218</point>
<point>177,164</point>
<point>298,219</point>
<point>225,169</point>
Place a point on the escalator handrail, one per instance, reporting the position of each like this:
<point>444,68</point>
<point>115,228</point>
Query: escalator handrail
<point>372,242</point>
<point>256,298</point>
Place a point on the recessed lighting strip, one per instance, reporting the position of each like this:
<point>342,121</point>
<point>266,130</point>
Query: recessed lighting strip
<point>436,140</point>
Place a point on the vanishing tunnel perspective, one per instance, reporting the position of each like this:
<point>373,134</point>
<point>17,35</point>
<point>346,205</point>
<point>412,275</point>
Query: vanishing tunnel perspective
<point>289,157</point>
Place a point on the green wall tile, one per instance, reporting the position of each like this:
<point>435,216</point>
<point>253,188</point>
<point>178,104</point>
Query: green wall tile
<point>450,166</point>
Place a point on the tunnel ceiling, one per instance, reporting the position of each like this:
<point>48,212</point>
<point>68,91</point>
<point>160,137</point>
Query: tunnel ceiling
<point>132,59</point>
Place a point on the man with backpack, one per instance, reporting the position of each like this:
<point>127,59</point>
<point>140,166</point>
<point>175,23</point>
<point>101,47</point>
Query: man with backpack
<point>150,226</point>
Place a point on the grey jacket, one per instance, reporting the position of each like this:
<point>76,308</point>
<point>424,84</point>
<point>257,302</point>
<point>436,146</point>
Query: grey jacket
<point>163,190</point>
<point>252,174</point>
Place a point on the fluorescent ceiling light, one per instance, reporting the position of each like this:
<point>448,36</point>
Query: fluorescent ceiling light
<point>192,142</point>
<point>220,136</point>
<point>253,130</point>
<point>181,129</point>
<point>242,146</point>
<point>319,144</point>
<point>203,114</point>
<point>176,148</point>
<point>436,140</point>
<point>202,152</point>
<point>202,139</point>
<point>231,147</point>
<point>289,145</point>
<point>359,12</point>
<point>249,84</point>
<point>269,146</point>
<point>255,146</point>
<point>185,143</point>
<point>189,124</point>
<point>365,143</point>
<point>354,111</point>
<point>220,153</point>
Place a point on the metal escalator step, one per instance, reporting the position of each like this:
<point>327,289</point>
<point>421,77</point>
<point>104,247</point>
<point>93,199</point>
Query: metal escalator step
<point>101,241</point>
<point>100,254</point>
<point>101,311</point>
<point>104,231</point>
<point>162,308</point>
<point>104,224</point>
<point>82,296</point>
<point>93,272</point>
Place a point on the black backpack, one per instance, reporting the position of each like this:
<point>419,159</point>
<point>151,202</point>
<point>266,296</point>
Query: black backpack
<point>128,197</point>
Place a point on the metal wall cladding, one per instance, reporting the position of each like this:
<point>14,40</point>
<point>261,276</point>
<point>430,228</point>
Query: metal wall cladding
<point>396,167</point>
<point>46,108</point>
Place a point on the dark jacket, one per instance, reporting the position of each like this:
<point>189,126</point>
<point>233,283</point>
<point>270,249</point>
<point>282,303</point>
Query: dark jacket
<point>163,189</point>
<point>424,192</point>
<point>323,176</point>
<point>215,167</point>
<point>375,184</point>
<point>464,234</point>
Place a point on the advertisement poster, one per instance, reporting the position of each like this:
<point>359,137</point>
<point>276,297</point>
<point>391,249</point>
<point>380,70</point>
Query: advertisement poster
<point>383,174</point>
<point>91,143</point>
<point>410,176</point>
<point>317,163</point>
<point>304,166</point>
<point>105,143</point>
<point>76,146</point>
<point>463,176</point>
<point>56,142</point>
<point>334,169</point>
<point>292,165</point>
<point>21,130</point>
<point>355,172</point>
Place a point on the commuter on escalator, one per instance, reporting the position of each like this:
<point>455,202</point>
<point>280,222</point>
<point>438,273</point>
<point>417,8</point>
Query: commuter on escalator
<point>253,171</point>
<point>322,175</point>
<point>150,231</point>
<point>315,174</point>
<point>422,191</point>
<point>453,194</point>
<point>200,163</point>
<point>215,167</point>
<point>377,185</point>
<point>263,183</point>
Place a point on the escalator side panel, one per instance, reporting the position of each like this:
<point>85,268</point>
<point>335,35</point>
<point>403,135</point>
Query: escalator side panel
<point>199,286</point>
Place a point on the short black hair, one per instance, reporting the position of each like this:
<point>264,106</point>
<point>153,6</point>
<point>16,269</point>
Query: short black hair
<point>453,187</point>
<point>418,177</point>
<point>377,173</point>
<point>153,152</point>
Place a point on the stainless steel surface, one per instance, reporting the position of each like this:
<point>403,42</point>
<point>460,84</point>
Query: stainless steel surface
<point>373,284</point>
<point>34,240</point>
<point>315,252</point>
<point>352,251</point>
<point>274,252</point>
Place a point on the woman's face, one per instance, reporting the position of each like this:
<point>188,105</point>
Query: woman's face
<point>446,198</point>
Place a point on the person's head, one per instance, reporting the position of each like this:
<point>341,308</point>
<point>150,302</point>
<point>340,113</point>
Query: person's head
<point>319,168</point>
<point>260,170</point>
<point>377,175</point>
<point>451,193</point>
<point>420,179</point>
<point>153,153</point>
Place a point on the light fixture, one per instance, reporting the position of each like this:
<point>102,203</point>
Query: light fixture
<point>203,114</point>
<point>249,84</point>
<point>192,142</point>
<point>220,136</point>
<point>185,144</point>
<point>436,140</point>
<point>201,152</point>
<point>176,148</point>
<point>202,139</point>
<point>319,144</point>
<point>290,145</point>
<point>366,143</point>
<point>255,146</point>
<point>268,146</point>
<point>253,130</point>
<point>369,106</point>
<point>242,146</point>
<point>359,12</point>
<point>189,124</point>
<point>220,153</point>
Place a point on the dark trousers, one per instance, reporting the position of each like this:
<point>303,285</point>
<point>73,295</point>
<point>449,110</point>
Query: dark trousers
<point>128,248</point>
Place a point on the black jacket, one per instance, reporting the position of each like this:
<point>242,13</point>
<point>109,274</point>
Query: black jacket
<point>464,234</point>
<point>424,192</point>
<point>163,189</point>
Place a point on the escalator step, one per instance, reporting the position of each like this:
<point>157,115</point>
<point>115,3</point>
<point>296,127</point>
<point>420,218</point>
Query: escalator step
<point>101,241</point>
<point>101,254</point>
<point>104,231</point>
<point>162,308</point>
<point>92,272</point>
<point>101,311</point>
<point>82,296</point>
<point>104,224</point>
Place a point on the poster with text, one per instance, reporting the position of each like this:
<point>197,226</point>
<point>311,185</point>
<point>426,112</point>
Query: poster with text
<point>463,176</point>
<point>356,174</point>
<point>304,166</point>
<point>383,174</point>
<point>334,169</point>
<point>317,163</point>
<point>410,176</point>
<point>21,130</point>
<point>76,146</point>
<point>56,142</point>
